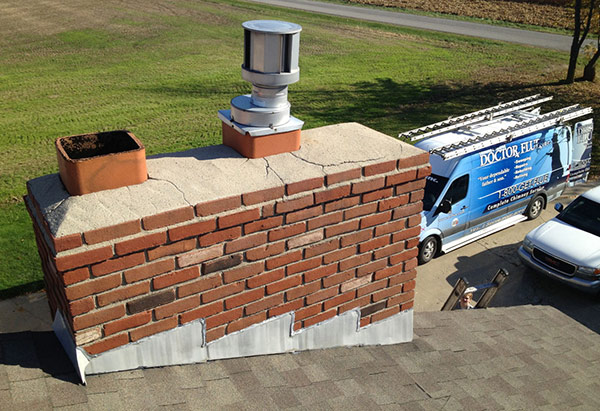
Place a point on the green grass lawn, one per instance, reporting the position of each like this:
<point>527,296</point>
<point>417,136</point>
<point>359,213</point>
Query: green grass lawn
<point>163,68</point>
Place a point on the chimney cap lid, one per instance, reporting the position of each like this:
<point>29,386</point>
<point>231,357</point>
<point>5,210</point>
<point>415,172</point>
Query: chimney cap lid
<point>272,26</point>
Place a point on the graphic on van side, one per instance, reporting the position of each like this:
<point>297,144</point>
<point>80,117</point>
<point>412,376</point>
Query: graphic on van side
<point>582,150</point>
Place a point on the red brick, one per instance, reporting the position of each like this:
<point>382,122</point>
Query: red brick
<point>408,233</point>
<point>203,311</point>
<point>294,204</point>
<point>81,306</point>
<point>141,243</point>
<point>153,328</point>
<point>341,228</point>
<point>246,322</point>
<point>380,168</point>
<point>221,292</point>
<point>325,220</point>
<point>267,251</point>
<point>414,220</point>
<point>246,242</point>
<point>413,242</point>
<point>286,308</point>
<point>356,237</point>
<point>80,290</point>
<point>178,306</point>
<point>223,318</point>
<point>192,230</point>
<point>303,290</point>
<point>238,218</point>
<point>176,277</point>
<point>263,224</point>
<point>174,248</point>
<point>245,271</point>
<point>306,239</point>
<point>407,306</point>
<point>321,295</point>
<point>423,172</point>
<point>150,301</point>
<point>304,214</point>
<point>263,304</point>
<point>128,322</point>
<point>67,242</point>
<point>262,196</point>
<point>215,334</point>
<point>118,264</point>
<point>306,185</point>
<point>287,231</point>
<point>364,321</point>
<point>199,285</point>
<point>360,211</point>
<point>401,177</point>
<point>388,292</point>
<point>220,236</point>
<point>370,288</point>
<point>112,232</point>
<point>373,308</point>
<point>321,248</point>
<point>149,270</point>
<point>266,278</point>
<point>71,261</point>
<point>123,293</point>
<point>359,302</point>
<point>284,259</point>
<point>168,218</point>
<point>403,277</point>
<point>355,283</point>
<point>344,176</point>
<point>319,318</point>
<point>339,255</point>
<point>390,227</point>
<point>417,196</point>
<point>218,206</point>
<point>284,284</point>
<point>388,272</point>
<point>76,276</point>
<point>332,194</point>
<point>268,210</point>
<point>374,244</point>
<point>303,265</point>
<point>339,300</point>
<point>320,272</point>
<point>391,203</point>
<point>200,256</point>
<point>307,312</point>
<point>414,161</point>
<point>244,298</point>
<point>338,278</point>
<point>221,264</point>
<point>410,264</point>
<point>98,317</point>
<point>297,326</point>
<point>377,195</point>
<point>343,203</point>
<point>410,285</point>
<point>360,187</point>
<point>409,187</point>
<point>107,344</point>
<point>354,261</point>
<point>401,299</point>
<point>404,256</point>
<point>375,219</point>
<point>371,267</point>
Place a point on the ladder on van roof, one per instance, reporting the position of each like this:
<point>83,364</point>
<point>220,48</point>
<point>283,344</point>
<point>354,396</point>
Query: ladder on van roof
<point>454,123</point>
<point>529,126</point>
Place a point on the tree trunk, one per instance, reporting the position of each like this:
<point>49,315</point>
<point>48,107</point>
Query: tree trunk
<point>575,44</point>
<point>589,72</point>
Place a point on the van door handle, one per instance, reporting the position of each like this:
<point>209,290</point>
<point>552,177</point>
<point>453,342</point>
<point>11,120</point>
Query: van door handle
<point>463,208</point>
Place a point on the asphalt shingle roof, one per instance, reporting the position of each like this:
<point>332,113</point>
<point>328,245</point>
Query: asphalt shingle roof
<point>526,357</point>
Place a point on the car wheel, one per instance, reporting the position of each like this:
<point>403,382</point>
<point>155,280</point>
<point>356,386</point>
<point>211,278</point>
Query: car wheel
<point>535,208</point>
<point>428,249</point>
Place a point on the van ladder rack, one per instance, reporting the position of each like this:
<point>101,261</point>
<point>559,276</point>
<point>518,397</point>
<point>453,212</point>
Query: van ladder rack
<point>454,123</point>
<point>520,129</point>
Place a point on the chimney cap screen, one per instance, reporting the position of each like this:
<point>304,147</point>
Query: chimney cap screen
<point>272,26</point>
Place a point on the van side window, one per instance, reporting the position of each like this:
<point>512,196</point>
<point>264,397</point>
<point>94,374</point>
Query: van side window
<point>458,189</point>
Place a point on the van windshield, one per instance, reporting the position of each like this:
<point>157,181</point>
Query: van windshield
<point>584,214</point>
<point>434,185</point>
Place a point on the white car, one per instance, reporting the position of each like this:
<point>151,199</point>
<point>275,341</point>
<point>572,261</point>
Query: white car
<point>567,248</point>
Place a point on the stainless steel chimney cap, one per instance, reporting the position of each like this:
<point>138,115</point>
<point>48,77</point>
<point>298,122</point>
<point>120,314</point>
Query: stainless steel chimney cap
<point>272,26</point>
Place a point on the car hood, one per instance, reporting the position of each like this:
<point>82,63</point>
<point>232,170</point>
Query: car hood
<point>567,242</point>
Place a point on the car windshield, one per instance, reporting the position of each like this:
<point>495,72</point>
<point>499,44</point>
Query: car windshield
<point>433,188</point>
<point>584,214</point>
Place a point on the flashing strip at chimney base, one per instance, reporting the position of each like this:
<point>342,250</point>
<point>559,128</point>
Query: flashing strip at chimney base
<point>186,344</point>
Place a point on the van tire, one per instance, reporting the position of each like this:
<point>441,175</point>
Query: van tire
<point>535,207</point>
<point>428,249</point>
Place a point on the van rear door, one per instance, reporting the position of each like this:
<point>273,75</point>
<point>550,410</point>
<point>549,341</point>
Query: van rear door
<point>453,210</point>
<point>582,151</point>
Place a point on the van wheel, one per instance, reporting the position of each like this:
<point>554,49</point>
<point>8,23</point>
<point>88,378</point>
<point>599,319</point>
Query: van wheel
<point>535,208</point>
<point>428,249</point>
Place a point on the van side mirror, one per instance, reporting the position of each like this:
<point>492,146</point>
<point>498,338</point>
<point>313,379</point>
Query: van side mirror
<point>558,207</point>
<point>445,207</point>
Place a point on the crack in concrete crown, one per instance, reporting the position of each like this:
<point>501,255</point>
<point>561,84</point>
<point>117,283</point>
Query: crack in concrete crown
<point>174,185</point>
<point>268,167</point>
<point>335,164</point>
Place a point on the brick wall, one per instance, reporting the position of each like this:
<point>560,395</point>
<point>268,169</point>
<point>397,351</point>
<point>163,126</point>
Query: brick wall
<point>316,247</point>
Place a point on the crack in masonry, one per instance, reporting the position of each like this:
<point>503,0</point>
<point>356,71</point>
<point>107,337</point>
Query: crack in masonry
<point>174,185</point>
<point>335,164</point>
<point>423,389</point>
<point>273,170</point>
